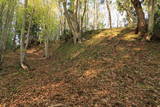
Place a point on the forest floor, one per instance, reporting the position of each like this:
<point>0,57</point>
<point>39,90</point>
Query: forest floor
<point>110,68</point>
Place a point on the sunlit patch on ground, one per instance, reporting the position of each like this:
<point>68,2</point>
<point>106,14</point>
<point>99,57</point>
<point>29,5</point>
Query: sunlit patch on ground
<point>31,51</point>
<point>95,40</point>
<point>130,36</point>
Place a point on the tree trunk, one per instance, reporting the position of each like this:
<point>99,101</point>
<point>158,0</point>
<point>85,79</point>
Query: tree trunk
<point>28,31</point>
<point>72,23</point>
<point>46,47</point>
<point>86,18</point>
<point>141,25</point>
<point>14,42</point>
<point>22,48</point>
<point>83,15</point>
<point>109,14</point>
<point>117,20</point>
<point>2,8</point>
<point>151,10</point>
<point>61,26</point>
<point>96,7</point>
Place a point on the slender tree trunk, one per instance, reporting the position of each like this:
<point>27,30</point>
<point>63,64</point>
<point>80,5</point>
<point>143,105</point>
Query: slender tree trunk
<point>46,46</point>
<point>27,36</point>
<point>86,18</point>
<point>61,26</point>
<point>117,20</point>
<point>2,8</point>
<point>61,19</point>
<point>22,48</point>
<point>83,15</point>
<point>14,42</point>
<point>76,6</point>
<point>72,23</point>
<point>65,25</point>
<point>151,10</point>
<point>28,31</point>
<point>141,25</point>
<point>109,14</point>
<point>95,14</point>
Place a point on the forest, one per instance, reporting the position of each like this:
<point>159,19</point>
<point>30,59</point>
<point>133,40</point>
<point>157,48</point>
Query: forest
<point>79,53</point>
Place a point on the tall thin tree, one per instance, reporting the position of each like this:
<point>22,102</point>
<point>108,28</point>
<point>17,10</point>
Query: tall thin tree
<point>22,48</point>
<point>151,10</point>
<point>109,13</point>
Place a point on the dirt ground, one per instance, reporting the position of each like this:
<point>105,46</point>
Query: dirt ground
<point>108,69</point>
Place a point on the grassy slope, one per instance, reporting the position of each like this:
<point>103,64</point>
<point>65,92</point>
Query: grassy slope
<point>109,68</point>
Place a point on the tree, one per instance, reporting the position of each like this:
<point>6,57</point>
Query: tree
<point>96,14</point>
<point>151,22</point>
<point>7,9</point>
<point>125,6</point>
<point>22,48</point>
<point>83,15</point>
<point>141,24</point>
<point>49,23</point>
<point>72,19</point>
<point>109,13</point>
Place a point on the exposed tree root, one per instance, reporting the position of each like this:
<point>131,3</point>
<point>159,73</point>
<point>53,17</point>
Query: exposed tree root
<point>25,66</point>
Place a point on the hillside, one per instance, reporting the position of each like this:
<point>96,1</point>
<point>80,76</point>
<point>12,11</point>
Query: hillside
<point>110,68</point>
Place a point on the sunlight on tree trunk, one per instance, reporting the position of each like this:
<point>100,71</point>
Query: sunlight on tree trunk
<point>109,14</point>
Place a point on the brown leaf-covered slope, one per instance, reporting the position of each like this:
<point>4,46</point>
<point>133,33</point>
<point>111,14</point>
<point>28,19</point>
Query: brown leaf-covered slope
<point>110,68</point>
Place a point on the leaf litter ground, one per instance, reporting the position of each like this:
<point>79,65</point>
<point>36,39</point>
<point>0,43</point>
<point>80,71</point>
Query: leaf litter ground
<point>110,68</point>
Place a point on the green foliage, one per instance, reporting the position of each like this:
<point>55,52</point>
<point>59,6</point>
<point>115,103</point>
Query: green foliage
<point>7,8</point>
<point>43,15</point>
<point>125,6</point>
